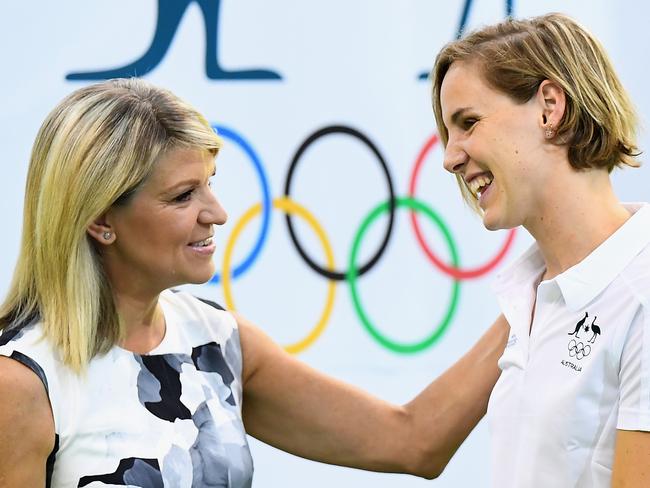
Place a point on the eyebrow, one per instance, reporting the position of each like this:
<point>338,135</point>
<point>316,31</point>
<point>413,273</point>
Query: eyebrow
<point>187,183</point>
<point>181,184</point>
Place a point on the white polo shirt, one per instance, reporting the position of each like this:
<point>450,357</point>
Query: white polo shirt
<point>584,369</point>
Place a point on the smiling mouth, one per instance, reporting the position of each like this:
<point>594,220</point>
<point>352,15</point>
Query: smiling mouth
<point>480,184</point>
<point>203,243</point>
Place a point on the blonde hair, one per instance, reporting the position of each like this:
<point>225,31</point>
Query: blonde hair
<point>515,56</point>
<point>93,151</point>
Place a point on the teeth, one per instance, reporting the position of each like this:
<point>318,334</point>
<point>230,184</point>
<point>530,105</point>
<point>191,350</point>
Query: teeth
<point>203,243</point>
<point>478,184</point>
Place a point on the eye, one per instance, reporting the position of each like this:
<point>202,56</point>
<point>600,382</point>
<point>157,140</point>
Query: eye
<point>469,122</point>
<point>184,197</point>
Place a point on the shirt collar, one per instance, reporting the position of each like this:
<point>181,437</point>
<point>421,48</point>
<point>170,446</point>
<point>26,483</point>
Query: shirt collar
<point>581,283</point>
<point>524,270</point>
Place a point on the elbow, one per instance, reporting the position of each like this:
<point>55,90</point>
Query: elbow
<point>424,453</point>
<point>431,475</point>
<point>428,467</point>
<point>428,461</point>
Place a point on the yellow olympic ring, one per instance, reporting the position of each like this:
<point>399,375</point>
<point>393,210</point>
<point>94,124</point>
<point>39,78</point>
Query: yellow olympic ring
<point>288,206</point>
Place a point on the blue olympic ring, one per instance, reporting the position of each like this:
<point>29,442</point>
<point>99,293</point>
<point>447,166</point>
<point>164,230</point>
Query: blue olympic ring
<point>266,200</point>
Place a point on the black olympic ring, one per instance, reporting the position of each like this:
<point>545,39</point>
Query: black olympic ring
<point>340,129</point>
<point>578,349</point>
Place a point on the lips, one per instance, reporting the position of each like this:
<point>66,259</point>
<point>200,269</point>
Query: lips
<point>204,248</point>
<point>204,243</point>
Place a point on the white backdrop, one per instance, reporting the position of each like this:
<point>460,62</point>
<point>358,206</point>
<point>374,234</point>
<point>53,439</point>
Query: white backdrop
<point>342,63</point>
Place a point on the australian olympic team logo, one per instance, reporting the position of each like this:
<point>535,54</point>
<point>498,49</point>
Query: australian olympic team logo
<point>354,271</point>
<point>170,14</point>
<point>578,349</point>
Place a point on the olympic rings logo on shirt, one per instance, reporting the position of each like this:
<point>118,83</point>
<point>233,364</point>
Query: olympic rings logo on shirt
<point>354,270</point>
<point>578,349</point>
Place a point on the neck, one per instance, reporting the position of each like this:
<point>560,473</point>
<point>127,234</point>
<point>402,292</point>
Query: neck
<point>578,212</point>
<point>136,301</point>
<point>144,322</point>
<point>141,315</point>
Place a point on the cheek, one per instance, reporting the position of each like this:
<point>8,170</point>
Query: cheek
<point>156,234</point>
<point>173,222</point>
<point>172,235</point>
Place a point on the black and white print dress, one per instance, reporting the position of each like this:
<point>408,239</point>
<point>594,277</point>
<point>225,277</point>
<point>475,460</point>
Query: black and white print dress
<point>170,418</point>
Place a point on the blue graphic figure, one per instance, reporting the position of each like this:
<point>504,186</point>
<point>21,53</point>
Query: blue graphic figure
<point>170,13</point>
<point>463,24</point>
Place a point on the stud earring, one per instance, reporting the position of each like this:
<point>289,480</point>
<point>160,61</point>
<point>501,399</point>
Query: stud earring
<point>550,132</point>
<point>107,235</point>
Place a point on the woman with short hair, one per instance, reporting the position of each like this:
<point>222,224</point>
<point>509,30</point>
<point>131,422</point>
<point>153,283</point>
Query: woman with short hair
<point>534,119</point>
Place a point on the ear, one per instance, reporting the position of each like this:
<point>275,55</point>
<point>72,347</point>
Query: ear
<point>101,230</point>
<point>552,101</point>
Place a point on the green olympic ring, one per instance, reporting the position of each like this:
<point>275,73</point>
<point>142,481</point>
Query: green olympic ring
<point>351,277</point>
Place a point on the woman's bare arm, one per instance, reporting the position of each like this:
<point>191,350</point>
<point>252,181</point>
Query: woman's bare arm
<point>295,408</point>
<point>26,426</point>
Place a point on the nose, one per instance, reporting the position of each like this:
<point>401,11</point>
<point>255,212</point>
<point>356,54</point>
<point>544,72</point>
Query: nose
<point>455,157</point>
<point>213,212</point>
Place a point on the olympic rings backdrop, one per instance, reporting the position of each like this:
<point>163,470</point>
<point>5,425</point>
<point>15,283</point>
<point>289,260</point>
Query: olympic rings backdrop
<point>346,240</point>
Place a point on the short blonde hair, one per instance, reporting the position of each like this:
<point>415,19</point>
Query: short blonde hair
<point>93,151</point>
<point>515,56</point>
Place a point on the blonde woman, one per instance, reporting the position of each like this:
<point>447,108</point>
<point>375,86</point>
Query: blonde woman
<point>106,375</point>
<point>534,119</point>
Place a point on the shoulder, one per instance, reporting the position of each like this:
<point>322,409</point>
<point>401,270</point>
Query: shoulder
<point>203,322</point>
<point>636,277</point>
<point>260,353</point>
<point>194,308</point>
<point>26,422</point>
<point>17,330</point>
<point>27,343</point>
<point>18,381</point>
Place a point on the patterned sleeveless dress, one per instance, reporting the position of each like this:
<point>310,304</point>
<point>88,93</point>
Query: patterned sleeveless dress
<point>169,418</point>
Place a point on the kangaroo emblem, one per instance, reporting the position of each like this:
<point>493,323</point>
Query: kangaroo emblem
<point>170,14</point>
<point>579,326</point>
<point>595,329</point>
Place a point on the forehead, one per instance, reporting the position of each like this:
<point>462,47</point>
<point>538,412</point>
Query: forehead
<point>181,163</point>
<point>464,86</point>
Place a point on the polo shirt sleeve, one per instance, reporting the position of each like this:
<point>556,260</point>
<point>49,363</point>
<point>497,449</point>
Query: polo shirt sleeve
<point>634,375</point>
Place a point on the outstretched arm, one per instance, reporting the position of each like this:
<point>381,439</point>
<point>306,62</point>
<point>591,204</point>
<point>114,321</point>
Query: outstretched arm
<point>297,409</point>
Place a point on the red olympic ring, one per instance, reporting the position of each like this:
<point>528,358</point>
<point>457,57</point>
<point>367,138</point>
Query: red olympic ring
<point>449,270</point>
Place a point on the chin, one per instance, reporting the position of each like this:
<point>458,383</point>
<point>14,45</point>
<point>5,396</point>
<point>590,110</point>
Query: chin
<point>491,223</point>
<point>198,277</point>
<point>494,222</point>
<point>204,278</point>
<point>492,227</point>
